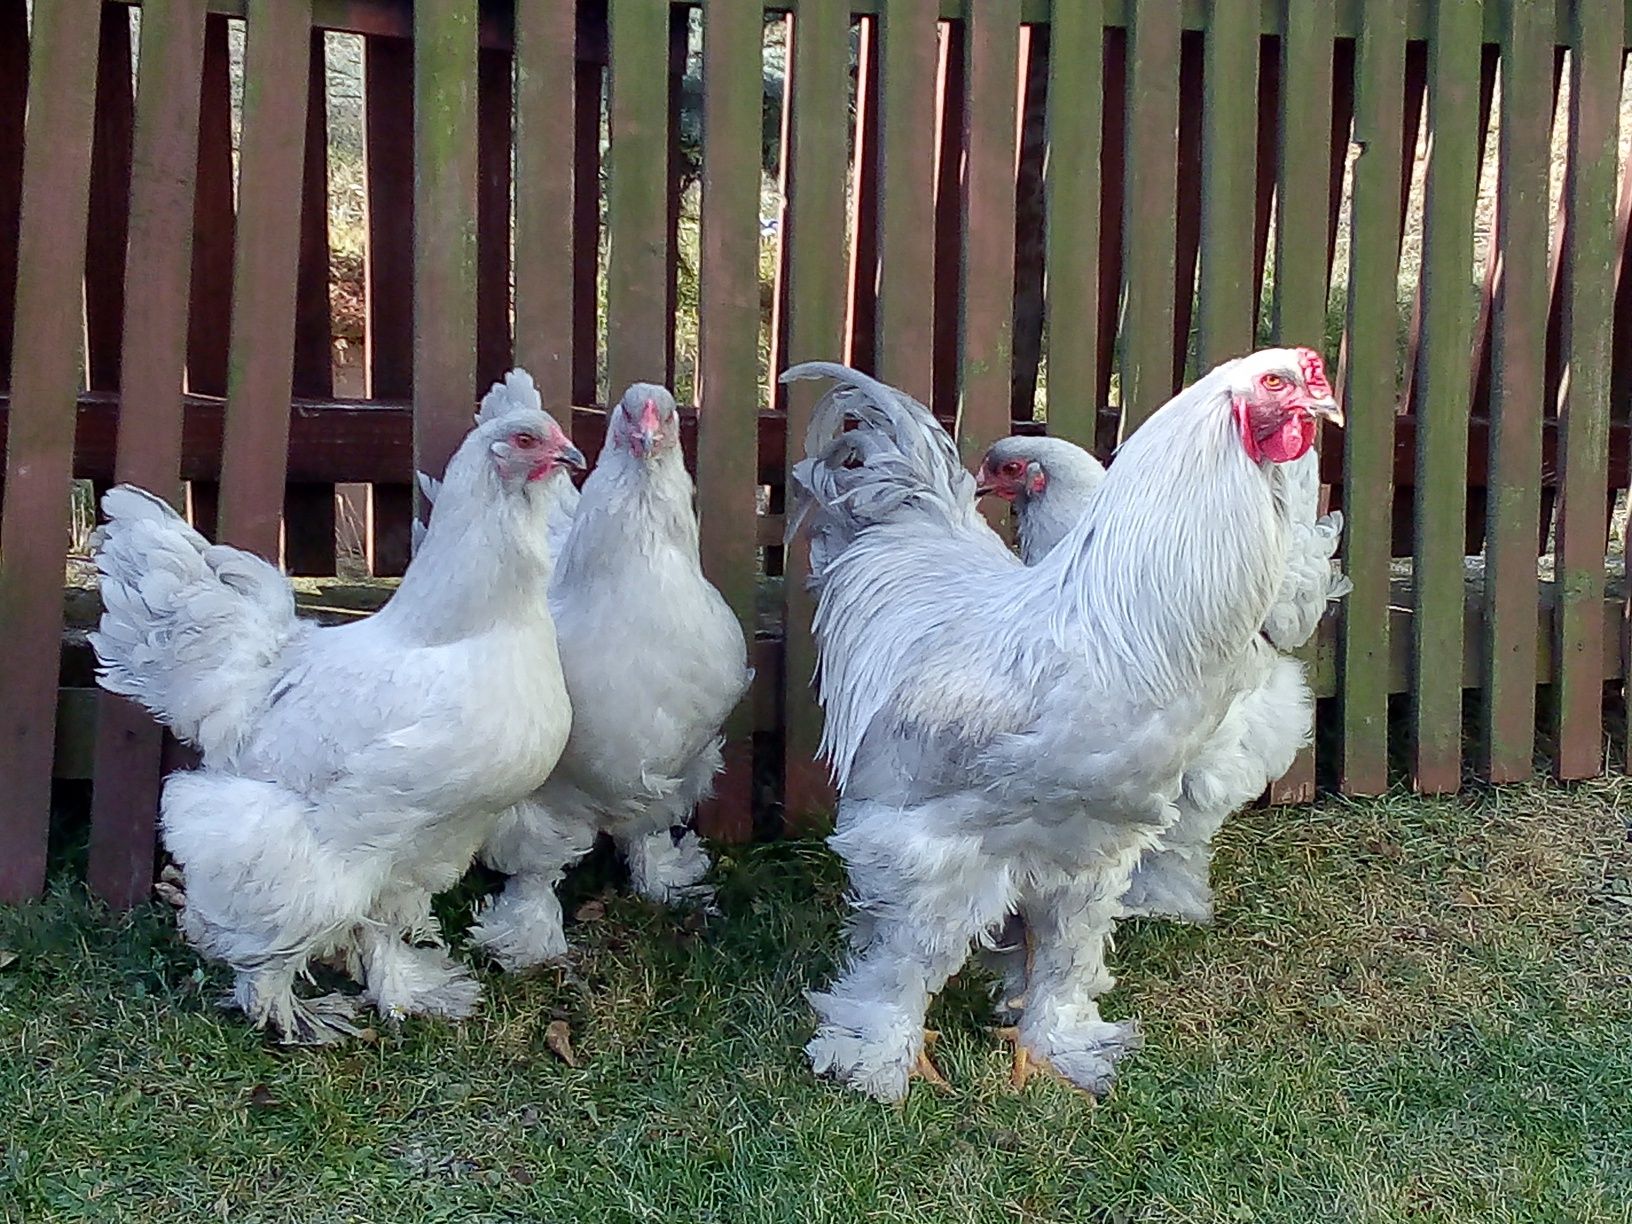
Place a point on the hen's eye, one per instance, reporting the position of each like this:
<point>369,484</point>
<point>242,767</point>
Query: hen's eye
<point>1274,382</point>
<point>525,441</point>
<point>1013,468</point>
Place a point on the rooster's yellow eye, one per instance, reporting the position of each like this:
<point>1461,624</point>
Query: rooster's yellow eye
<point>1274,382</point>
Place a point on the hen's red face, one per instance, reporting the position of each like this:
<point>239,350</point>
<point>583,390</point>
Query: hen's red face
<point>1009,478</point>
<point>539,453</point>
<point>1277,417</point>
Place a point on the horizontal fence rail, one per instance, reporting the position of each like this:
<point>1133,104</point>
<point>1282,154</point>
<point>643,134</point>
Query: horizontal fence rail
<point>262,258</point>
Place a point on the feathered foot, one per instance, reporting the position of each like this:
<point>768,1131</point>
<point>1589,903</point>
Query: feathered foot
<point>1084,1058</point>
<point>667,871</point>
<point>403,980</point>
<point>268,999</point>
<point>521,927</point>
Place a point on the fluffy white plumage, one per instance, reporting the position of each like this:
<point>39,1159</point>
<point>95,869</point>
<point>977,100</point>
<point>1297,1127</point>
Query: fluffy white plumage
<point>349,772</point>
<point>654,661</point>
<point>1010,739</point>
<point>1050,482</point>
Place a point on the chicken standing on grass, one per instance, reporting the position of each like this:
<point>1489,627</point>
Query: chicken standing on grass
<point>1050,481</point>
<point>1010,739</point>
<point>349,772</point>
<point>654,660</point>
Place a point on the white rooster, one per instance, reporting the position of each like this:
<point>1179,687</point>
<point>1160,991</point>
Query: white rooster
<point>349,772</point>
<point>654,660</point>
<point>1050,481</point>
<point>1009,739</point>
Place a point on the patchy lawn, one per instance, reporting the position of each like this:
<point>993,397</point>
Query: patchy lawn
<point>1409,1010</point>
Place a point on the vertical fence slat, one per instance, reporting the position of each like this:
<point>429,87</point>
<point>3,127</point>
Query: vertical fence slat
<point>1228,305</point>
<point>1187,210</point>
<point>1113,181</point>
<point>493,102</point>
<point>444,228</point>
<point>1302,269</point>
<point>1030,227</point>
<point>1518,363</point>
<point>109,219</point>
<point>308,508</point>
<point>265,271</point>
<point>986,347</point>
<point>817,156</point>
<point>906,203</point>
<point>1589,305</point>
<point>948,279</point>
<point>40,437</point>
<point>586,206</point>
<point>861,294</point>
<point>1442,419</point>
<point>1150,209</point>
<point>728,360</point>
<point>546,61</point>
<point>1369,394</point>
<point>158,261</point>
<point>13,100</point>
<point>1076,79</point>
<point>637,195</point>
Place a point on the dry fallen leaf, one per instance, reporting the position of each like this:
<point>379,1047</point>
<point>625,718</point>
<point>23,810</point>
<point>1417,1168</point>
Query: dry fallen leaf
<point>170,894</point>
<point>8,958</point>
<point>260,1097</point>
<point>590,911</point>
<point>368,1035</point>
<point>558,1040</point>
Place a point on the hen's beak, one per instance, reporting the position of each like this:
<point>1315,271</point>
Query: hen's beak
<point>650,427</point>
<point>572,457</point>
<point>983,483</point>
<point>1328,409</point>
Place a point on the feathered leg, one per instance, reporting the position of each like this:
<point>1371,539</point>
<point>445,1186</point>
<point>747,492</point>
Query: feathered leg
<point>521,927</point>
<point>404,980</point>
<point>1068,929</point>
<point>267,997</point>
<point>667,869</point>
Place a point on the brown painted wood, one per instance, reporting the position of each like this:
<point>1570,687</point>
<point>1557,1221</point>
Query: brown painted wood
<point>13,101</point>
<point>214,238</point>
<point>949,130</point>
<point>109,219</point>
<point>861,292</point>
<point>1113,189</point>
<point>445,280</point>
<point>728,364</point>
<point>39,450</point>
<point>545,121</point>
<point>906,197</point>
<point>1187,231</point>
<point>158,259</point>
<point>493,103</point>
<point>308,510</point>
<point>265,271</point>
<point>1030,214</point>
<point>586,225</point>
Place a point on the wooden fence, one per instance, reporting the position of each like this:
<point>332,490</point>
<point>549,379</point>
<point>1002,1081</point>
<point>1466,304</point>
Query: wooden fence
<point>1017,210</point>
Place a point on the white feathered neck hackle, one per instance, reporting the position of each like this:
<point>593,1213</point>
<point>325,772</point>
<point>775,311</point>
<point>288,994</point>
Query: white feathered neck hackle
<point>486,552</point>
<point>1159,588</point>
<point>633,505</point>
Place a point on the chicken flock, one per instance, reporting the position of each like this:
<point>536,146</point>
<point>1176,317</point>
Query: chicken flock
<point>1027,749</point>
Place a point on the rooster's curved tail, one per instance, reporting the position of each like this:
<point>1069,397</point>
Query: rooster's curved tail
<point>897,464</point>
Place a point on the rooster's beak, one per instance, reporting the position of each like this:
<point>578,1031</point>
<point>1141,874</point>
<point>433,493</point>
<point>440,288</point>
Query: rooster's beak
<point>1327,408</point>
<point>572,457</point>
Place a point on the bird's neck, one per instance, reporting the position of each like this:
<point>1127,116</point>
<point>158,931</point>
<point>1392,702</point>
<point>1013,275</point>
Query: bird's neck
<point>631,505</point>
<point>1171,571</point>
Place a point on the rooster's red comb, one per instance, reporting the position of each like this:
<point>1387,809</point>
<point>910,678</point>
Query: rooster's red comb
<point>1314,373</point>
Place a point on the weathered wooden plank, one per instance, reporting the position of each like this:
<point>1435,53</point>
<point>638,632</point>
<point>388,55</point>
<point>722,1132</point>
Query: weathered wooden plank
<point>906,197</point>
<point>158,262</point>
<point>636,195</point>
<point>992,47</point>
<point>817,155</point>
<point>1076,82</point>
<point>1228,305</point>
<point>493,104</point>
<point>265,271</point>
<point>1187,215</point>
<point>1518,357</point>
<point>308,509</point>
<point>728,361</point>
<point>1113,175</point>
<point>1030,221</point>
<point>948,280</point>
<point>1369,390</point>
<point>445,84</point>
<point>214,227</point>
<point>545,121</point>
<point>586,222</point>
<point>1446,386</point>
<point>13,101</point>
<point>1302,270</point>
<point>861,293</point>
<point>109,220</point>
<point>1589,304</point>
<point>39,446</point>
<point>1150,209</point>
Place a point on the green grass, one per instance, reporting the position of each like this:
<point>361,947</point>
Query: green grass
<point>1409,1010</point>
